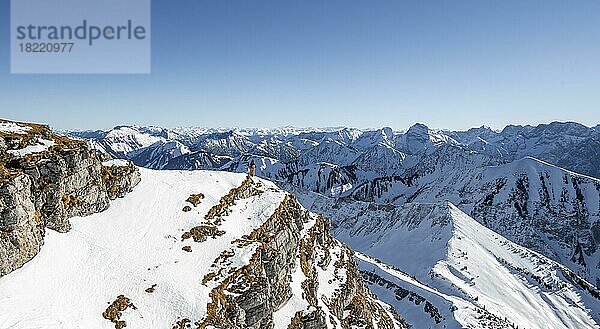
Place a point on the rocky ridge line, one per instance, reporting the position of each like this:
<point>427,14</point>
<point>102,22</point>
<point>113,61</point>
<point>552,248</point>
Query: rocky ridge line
<point>292,240</point>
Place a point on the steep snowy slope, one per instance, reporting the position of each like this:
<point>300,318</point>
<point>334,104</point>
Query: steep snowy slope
<point>210,248</point>
<point>159,154</point>
<point>438,266</point>
<point>380,160</point>
<point>330,151</point>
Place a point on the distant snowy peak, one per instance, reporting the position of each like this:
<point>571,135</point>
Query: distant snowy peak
<point>573,129</point>
<point>125,140</point>
<point>558,142</point>
<point>330,151</point>
<point>368,139</point>
<point>280,132</point>
<point>419,138</point>
<point>230,143</point>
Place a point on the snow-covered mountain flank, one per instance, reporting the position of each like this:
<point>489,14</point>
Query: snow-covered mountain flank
<point>535,204</point>
<point>441,268</point>
<point>180,250</point>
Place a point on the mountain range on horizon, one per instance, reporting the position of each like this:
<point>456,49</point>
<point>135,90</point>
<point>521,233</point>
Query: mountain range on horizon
<point>566,144</point>
<point>294,129</point>
<point>452,229</point>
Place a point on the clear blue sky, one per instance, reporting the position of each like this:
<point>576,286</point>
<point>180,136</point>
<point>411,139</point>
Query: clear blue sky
<point>367,63</point>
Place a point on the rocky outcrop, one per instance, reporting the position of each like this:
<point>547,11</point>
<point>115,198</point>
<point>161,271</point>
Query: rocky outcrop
<point>21,226</point>
<point>65,183</point>
<point>401,293</point>
<point>291,240</point>
<point>248,297</point>
<point>45,179</point>
<point>120,179</point>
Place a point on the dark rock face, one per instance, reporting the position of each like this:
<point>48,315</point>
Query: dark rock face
<point>46,188</point>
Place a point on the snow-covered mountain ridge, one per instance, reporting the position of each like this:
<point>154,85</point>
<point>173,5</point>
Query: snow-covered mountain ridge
<point>494,176</point>
<point>519,249</point>
<point>439,267</point>
<point>535,204</point>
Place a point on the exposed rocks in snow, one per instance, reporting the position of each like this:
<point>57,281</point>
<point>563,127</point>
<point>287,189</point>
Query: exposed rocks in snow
<point>195,199</point>
<point>201,232</point>
<point>151,289</point>
<point>253,276</point>
<point>13,127</point>
<point>184,323</point>
<point>246,190</point>
<point>313,318</point>
<point>120,179</point>
<point>247,296</point>
<point>401,293</point>
<point>115,310</point>
<point>41,145</point>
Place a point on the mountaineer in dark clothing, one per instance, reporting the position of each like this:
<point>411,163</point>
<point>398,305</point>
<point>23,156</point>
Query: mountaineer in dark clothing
<point>252,167</point>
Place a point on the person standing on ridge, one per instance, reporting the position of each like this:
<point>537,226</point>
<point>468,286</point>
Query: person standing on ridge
<point>252,167</point>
